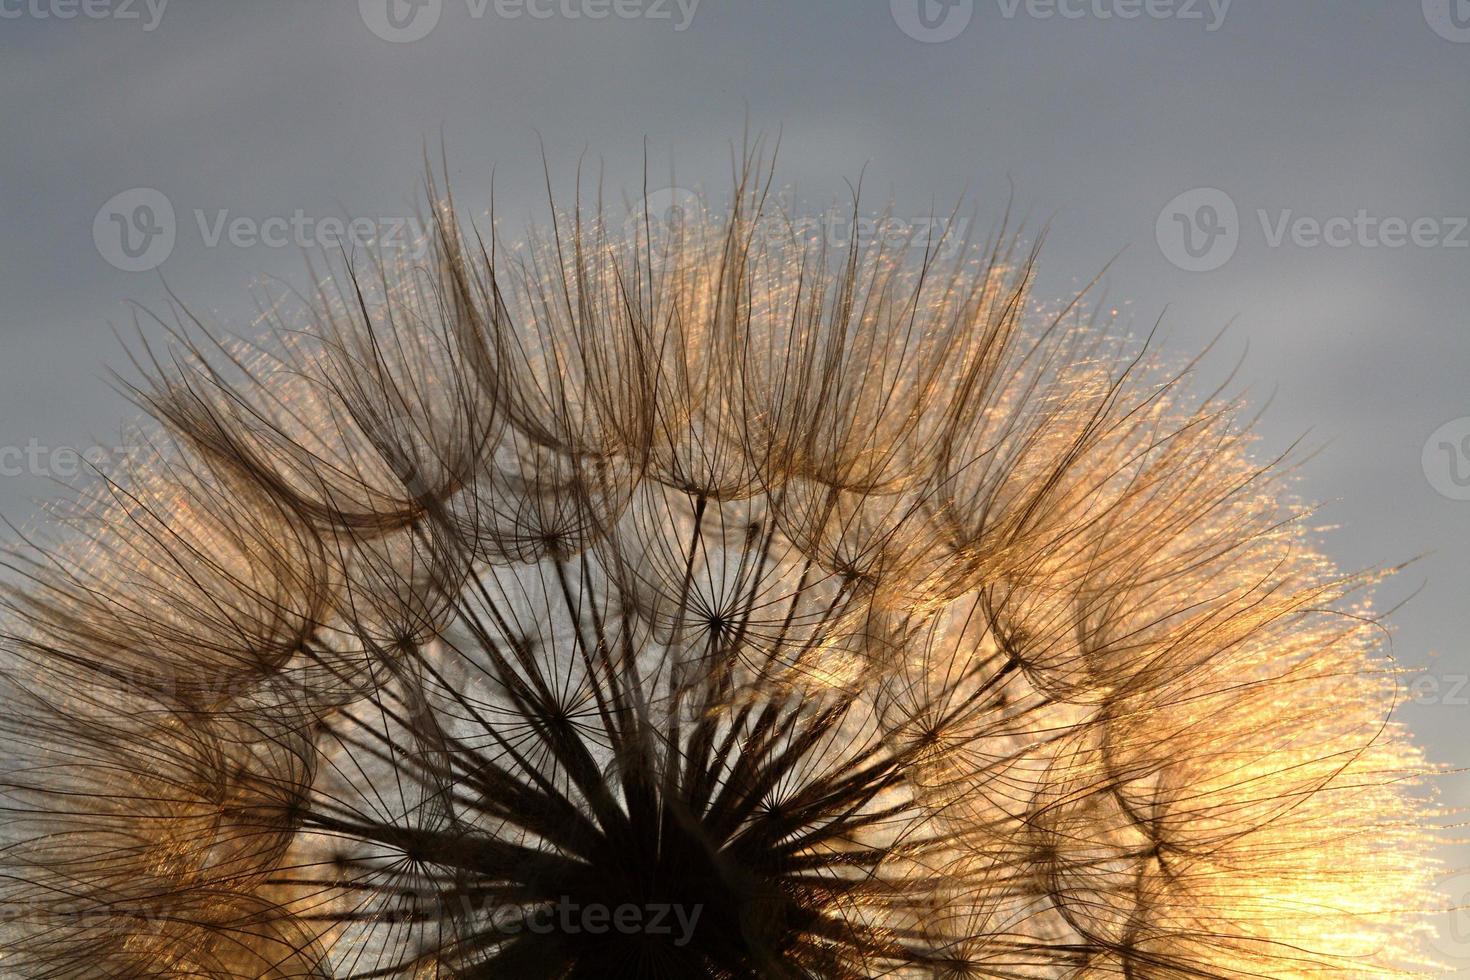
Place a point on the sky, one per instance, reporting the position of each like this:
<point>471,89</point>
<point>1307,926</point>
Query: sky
<point>1295,173</point>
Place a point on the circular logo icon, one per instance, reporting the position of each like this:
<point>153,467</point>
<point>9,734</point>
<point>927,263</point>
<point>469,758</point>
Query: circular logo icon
<point>932,21</point>
<point>1452,939</point>
<point>404,446</point>
<point>1199,230</point>
<point>660,217</point>
<point>1446,459</point>
<point>135,230</point>
<point>400,21</point>
<point>1450,19</point>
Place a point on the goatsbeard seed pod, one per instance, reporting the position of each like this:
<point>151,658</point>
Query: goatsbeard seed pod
<point>696,600</point>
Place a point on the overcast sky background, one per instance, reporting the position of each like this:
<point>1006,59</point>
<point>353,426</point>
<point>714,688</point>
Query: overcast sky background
<point>1319,108</point>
